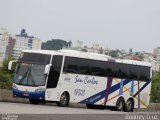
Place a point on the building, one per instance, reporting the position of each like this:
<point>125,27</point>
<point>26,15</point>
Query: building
<point>25,42</point>
<point>150,58</point>
<point>4,39</point>
<point>1,49</point>
<point>156,55</point>
<point>12,45</point>
<point>9,47</point>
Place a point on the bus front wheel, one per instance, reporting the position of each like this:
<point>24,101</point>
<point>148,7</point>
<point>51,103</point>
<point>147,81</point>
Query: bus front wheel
<point>64,100</point>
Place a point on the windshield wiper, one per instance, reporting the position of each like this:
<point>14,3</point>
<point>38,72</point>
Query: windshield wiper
<point>30,73</point>
<point>24,76</point>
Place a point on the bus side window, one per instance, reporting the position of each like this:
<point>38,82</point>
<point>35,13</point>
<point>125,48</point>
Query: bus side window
<point>84,67</point>
<point>54,72</point>
<point>72,69</point>
<point>84,70</point>
<point>70,65</point>
<point>108,72</point>
<point>144,73</point>
<point>111,69</point>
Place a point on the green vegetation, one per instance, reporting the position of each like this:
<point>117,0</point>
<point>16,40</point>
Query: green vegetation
<point>56,44</point>
<point>155,91</point>
<point>6,76</point>
<point>114,53</point>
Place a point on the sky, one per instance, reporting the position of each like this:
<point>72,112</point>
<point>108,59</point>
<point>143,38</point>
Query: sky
<point>113,24</point>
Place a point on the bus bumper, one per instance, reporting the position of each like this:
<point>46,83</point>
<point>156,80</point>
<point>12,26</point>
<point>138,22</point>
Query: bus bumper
<point>30,95</point>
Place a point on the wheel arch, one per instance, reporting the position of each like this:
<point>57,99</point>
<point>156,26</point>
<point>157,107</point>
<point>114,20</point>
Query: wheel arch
<point>121,97</point>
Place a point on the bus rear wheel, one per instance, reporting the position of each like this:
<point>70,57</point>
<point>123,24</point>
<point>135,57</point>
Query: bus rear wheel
<point>34,101</point>
<point>64,100</point>
<point>129,105</point>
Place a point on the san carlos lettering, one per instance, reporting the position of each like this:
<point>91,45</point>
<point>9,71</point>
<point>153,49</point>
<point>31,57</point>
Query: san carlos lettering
<point>86,80</point>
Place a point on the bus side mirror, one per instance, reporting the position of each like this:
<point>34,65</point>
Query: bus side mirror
<point>10,64</point>
<point>47,68</point>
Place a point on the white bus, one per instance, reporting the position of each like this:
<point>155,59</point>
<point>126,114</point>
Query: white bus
<point>72,76</point>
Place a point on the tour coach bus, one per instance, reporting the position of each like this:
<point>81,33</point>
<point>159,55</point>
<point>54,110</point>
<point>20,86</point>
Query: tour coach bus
<point>89,78</point>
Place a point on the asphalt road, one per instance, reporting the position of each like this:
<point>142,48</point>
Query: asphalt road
<point>21,111</point>
<point>22,108</point>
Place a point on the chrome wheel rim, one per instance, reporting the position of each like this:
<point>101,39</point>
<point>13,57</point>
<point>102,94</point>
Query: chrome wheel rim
<point>129,105</point>
<point>120,105</point>
<point>63,99</point>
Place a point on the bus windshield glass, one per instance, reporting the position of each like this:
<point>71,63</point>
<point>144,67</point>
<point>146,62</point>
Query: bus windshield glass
<point>30,69</point>
<point>30,74</point>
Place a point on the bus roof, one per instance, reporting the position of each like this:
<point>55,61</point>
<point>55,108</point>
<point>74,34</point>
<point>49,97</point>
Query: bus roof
<point>89,55</point>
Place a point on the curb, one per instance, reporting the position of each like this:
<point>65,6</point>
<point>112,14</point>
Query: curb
<point>6,96</point>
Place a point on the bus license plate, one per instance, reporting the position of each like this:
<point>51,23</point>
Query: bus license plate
<point>26,94</point>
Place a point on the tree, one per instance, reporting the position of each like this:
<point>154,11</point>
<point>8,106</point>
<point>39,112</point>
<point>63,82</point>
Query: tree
<point>5,81</point>
<point>6,76</point>
<point>114,53</point>
<point>69,44</point>
<point>55,44</point>
<point>155,90</point>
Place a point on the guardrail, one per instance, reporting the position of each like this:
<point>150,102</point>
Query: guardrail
<point>6,96</point>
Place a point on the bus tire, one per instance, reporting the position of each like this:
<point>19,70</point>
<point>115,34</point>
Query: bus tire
<point>64,100</point>
<point>34,101</point>
<point>129,105</point>
<point>120,104</point>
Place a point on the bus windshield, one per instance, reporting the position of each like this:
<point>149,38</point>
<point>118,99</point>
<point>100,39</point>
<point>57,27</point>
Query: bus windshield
<point>30,74</point>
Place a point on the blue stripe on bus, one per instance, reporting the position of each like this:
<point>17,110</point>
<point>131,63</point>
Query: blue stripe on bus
<point>121,87</point>
<point>95,98</point>
<point>117,86</point>
<point>132,88</point>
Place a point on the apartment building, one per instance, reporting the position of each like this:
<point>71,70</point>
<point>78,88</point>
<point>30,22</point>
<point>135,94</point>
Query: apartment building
<point>12,45</point>
<point>25,42</point>
<point>4,38</point>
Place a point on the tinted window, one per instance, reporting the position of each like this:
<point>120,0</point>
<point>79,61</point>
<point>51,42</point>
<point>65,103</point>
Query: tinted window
<point>84,66</point>
<point>122,70</point>
<point>144,73</point>
<point>54,71</point>
<point>77,65</point>
<point>71,65</point>
<point>97,68</point>
<point>34,58</point>
<point>106,69</point>
<point>134,72</point>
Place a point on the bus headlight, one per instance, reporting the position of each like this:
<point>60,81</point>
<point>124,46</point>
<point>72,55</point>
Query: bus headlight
<point>14,86</point>
<point>40,90</point>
